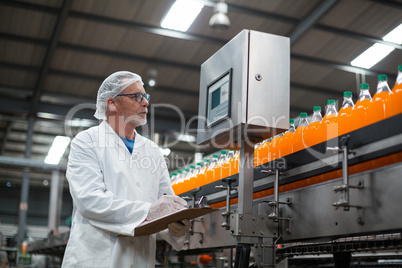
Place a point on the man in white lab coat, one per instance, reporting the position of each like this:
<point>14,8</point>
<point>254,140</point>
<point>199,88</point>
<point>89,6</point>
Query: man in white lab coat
<point>118,179</point>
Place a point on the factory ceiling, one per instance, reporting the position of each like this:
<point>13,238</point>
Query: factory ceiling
<point>54,55</point>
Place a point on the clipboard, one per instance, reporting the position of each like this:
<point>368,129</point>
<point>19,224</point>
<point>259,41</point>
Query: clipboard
<point>157,225</point>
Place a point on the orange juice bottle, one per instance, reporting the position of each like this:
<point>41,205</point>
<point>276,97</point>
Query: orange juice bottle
<point>345,113</point>
<point>234,165</point>
<point>257,151</point>
<point>381,107</point>
<point>202,175</point>
<point>298,137</point>
<point>226,165</point>
<point>184,184</point>
<point>286,146</point>
<point>315,131</point>
<point>179,184</point>
<point>275,152</point>
<point>218,167</point>
<point>397,93</point>
<point>263,152</point>
<point>188,180</point>
<point>173,181</point>
<point>195,177</point>
<point>330,121</point>
<point>360,114</point>
<point>211,169</point>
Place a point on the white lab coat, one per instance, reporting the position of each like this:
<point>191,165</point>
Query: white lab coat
<point>112,191</point>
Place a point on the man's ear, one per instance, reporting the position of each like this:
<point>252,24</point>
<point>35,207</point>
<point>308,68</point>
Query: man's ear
<point>111,104</point>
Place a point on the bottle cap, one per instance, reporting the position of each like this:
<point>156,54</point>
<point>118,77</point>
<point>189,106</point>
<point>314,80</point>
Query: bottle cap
<point>206,160</point>
<point>303,115</point>
<point>174,174</point>
<point>317,109</point>
<point>347,94</point>
<point>330,102</point>
<point>400,68</point>
<point>364,86</point>
<point>198,164</point>
<point>185,169</point>
<point>382,77</point>
<point>179,171</point>
<point>192,166</point>
<point>215,156</point>
<point>291,121</point>
<point>223,152</point>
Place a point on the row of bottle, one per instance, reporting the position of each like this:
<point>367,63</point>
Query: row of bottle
<point>204,173</point>
<point>384,104</point>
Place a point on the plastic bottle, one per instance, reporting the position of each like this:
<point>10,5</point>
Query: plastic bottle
<point>194,178</point>
<point>315,131</point>
<point>218,167</point>
<point>202,175</point>
<point>345,113</point>
<point>257,152</point>
<point>173,180</point>
<point>298,138</point>
<point>234,165</point>
<point>187,180</point>
<point>330,121</point>
<point>360,114</point>
<point>227,164</point>
<point>286,146</point>
<point>263,152</point>
<point>275,151</point>
<point>397,93</point>
<point>381,107</point>
<point>211,169</point>
<point>179,184</point>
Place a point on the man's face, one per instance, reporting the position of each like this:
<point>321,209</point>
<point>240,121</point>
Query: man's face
<point>133,112</point>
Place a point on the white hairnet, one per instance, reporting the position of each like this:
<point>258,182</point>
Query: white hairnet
<point>112,86</point>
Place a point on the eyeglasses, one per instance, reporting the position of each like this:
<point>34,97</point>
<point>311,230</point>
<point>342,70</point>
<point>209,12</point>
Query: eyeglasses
<point>137,96</point>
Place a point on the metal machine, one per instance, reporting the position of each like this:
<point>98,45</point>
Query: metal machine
<point>344,187</point>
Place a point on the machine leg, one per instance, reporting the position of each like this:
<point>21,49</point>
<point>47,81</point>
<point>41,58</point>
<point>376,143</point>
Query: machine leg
<point>342,259</point>
<point>242,257</point>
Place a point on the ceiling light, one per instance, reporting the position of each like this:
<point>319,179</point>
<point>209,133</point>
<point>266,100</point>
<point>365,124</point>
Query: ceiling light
<point>220,20</point>
<point>394,36</point>
<point>151,82</point>
<point>182,14</point>
<point>55,153</point>
<point>372,55</point>
<point>165,151</point>
<point>378,51</point>
<point>186,138</point>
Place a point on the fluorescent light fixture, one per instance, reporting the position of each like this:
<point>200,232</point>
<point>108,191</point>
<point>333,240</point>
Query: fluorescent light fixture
<point>151,82</point>
<point>165,151</point>
<point>372,55</point>
<point>182,14</point>
<point>394,36</point>
<point>57,150</point>
<point>186,138</point>
<point>378,51</point>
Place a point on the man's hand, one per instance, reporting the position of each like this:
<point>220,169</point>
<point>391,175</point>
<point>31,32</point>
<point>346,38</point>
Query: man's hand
<point>179,228</point>
<point>165,205</point>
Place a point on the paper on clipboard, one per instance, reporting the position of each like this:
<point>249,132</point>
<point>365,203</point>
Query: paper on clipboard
<point>157,225</point>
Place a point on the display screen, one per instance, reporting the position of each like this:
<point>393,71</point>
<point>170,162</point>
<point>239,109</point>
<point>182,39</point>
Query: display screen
<point>218,104</point>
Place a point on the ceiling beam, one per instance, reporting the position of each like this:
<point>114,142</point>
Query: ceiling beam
<point>5,136</point>
<point>312,17</point>
<point>61,19</point>
<point>351,34</point>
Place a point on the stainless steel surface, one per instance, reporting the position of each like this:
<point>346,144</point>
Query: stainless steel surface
<point>260,71</point>
<point>246,172</point>
<point>314,217</point>
<point>55,200</point>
